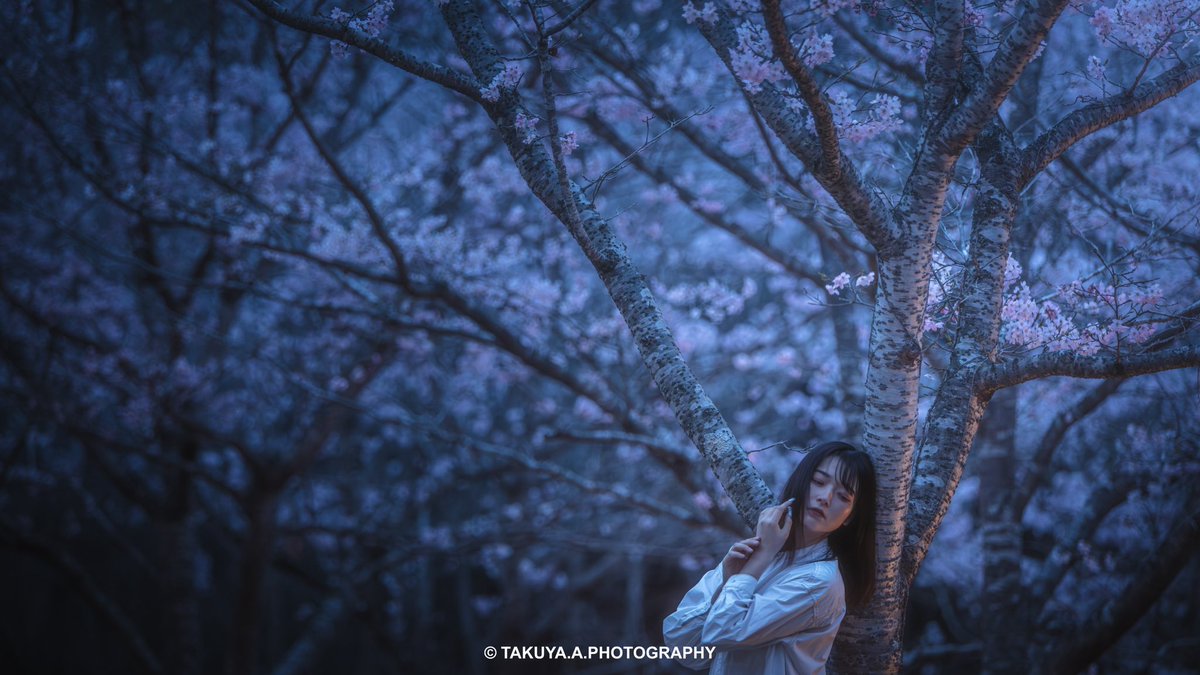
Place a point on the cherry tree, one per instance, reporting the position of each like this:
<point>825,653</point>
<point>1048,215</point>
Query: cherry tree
<point>297,290</point>
<point>958,65</point>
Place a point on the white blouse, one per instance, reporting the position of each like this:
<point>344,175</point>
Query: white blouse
<point>783,622</point>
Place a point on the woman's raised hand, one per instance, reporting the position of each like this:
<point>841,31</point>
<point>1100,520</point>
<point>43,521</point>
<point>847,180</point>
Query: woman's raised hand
<point>737,556</point>
<point>774,526</point>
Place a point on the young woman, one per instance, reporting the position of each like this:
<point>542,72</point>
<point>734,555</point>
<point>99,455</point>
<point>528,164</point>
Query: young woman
<point>775,602</point>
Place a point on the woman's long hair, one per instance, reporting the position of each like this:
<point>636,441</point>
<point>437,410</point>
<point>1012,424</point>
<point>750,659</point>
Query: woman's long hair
<point>854,542</point>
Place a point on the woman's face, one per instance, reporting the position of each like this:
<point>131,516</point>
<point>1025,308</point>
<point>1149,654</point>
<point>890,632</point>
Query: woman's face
<point>829,502</point>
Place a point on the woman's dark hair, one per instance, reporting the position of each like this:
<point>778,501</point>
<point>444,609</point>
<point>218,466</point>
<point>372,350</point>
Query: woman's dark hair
<point>854,542</point>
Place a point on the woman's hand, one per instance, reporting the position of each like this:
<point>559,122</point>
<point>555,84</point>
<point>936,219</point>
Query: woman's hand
<point>738,554</point>
<point>774,526</point>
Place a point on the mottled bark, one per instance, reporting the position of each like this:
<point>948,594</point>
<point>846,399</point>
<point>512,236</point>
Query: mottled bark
<point>989,92</point>
<point>954,417</point>
<point>697,415</point>
<point>1071,364</point>
<point>870,641</point>
<point>1103,113</point>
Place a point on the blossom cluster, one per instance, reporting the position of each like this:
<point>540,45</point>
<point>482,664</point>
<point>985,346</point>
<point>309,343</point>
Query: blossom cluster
<point>376,19</point>
<point>842,280</point>
<point>371,25</point>
<point>1143,25</point>
<point>505,79</point>
<point>527,125</point>
<point>882,116</point>
<point>1115,318</point>
<point>817,49</point>
<point>751,61</point>
<point>706,14</point>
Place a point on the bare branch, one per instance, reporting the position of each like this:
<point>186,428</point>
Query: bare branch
<point>1017,50</point>
<point>377,47</point>
<point>1103,113</point>
<point>1010,373</point>
<point>1104,626</point>
<point>1063,422</point>
<point>841,179</point>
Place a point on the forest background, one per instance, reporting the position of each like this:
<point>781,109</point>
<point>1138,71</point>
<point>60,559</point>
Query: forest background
<point>357,338</point>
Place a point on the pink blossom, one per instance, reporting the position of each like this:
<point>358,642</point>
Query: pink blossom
<point>505,79</point>
<point>817,50</point>
<point>865,280</point>
<point>1102,21</point>
<point>567,143</point>
<point>749,60</point>
<point>375,20</point>
<point>971,15</point>
<point>1012,272</point>
<point>527,125</point>
<point>839,282</point>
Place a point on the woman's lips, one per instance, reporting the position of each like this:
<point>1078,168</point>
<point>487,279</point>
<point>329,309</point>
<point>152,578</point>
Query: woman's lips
<point>816,512</point>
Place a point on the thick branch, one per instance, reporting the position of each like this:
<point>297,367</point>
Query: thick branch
<point>695,411</point>
<point>841,180</point>
<point>954,417</point>
<point>1017,50</point>
<point>1105,626</point>
<point>995,376</point>
<point>810,91</point>
<point>945,60</point>
<point>1103,113</point>
<point>374,46</point>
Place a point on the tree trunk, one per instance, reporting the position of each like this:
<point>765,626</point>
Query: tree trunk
<point>870,641</point>
<point>256,557</point>
<point>1005,604</point>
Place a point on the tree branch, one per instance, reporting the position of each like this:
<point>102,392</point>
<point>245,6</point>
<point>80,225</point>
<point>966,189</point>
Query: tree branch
<point>1103,113</point>
<point>333,30</point>
<point>1017,50</point>
<point>995,376</point>
<point>840,179</point>
<point>1063,422</point>
<point>1107,624</point>
<point>810,91</point>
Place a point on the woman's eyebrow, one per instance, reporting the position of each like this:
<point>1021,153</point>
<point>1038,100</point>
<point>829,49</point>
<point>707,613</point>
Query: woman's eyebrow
<point>839,482</point>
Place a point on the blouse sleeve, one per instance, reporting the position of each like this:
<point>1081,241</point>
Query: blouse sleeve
<point>683,627</point>
<point>742,617</point>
